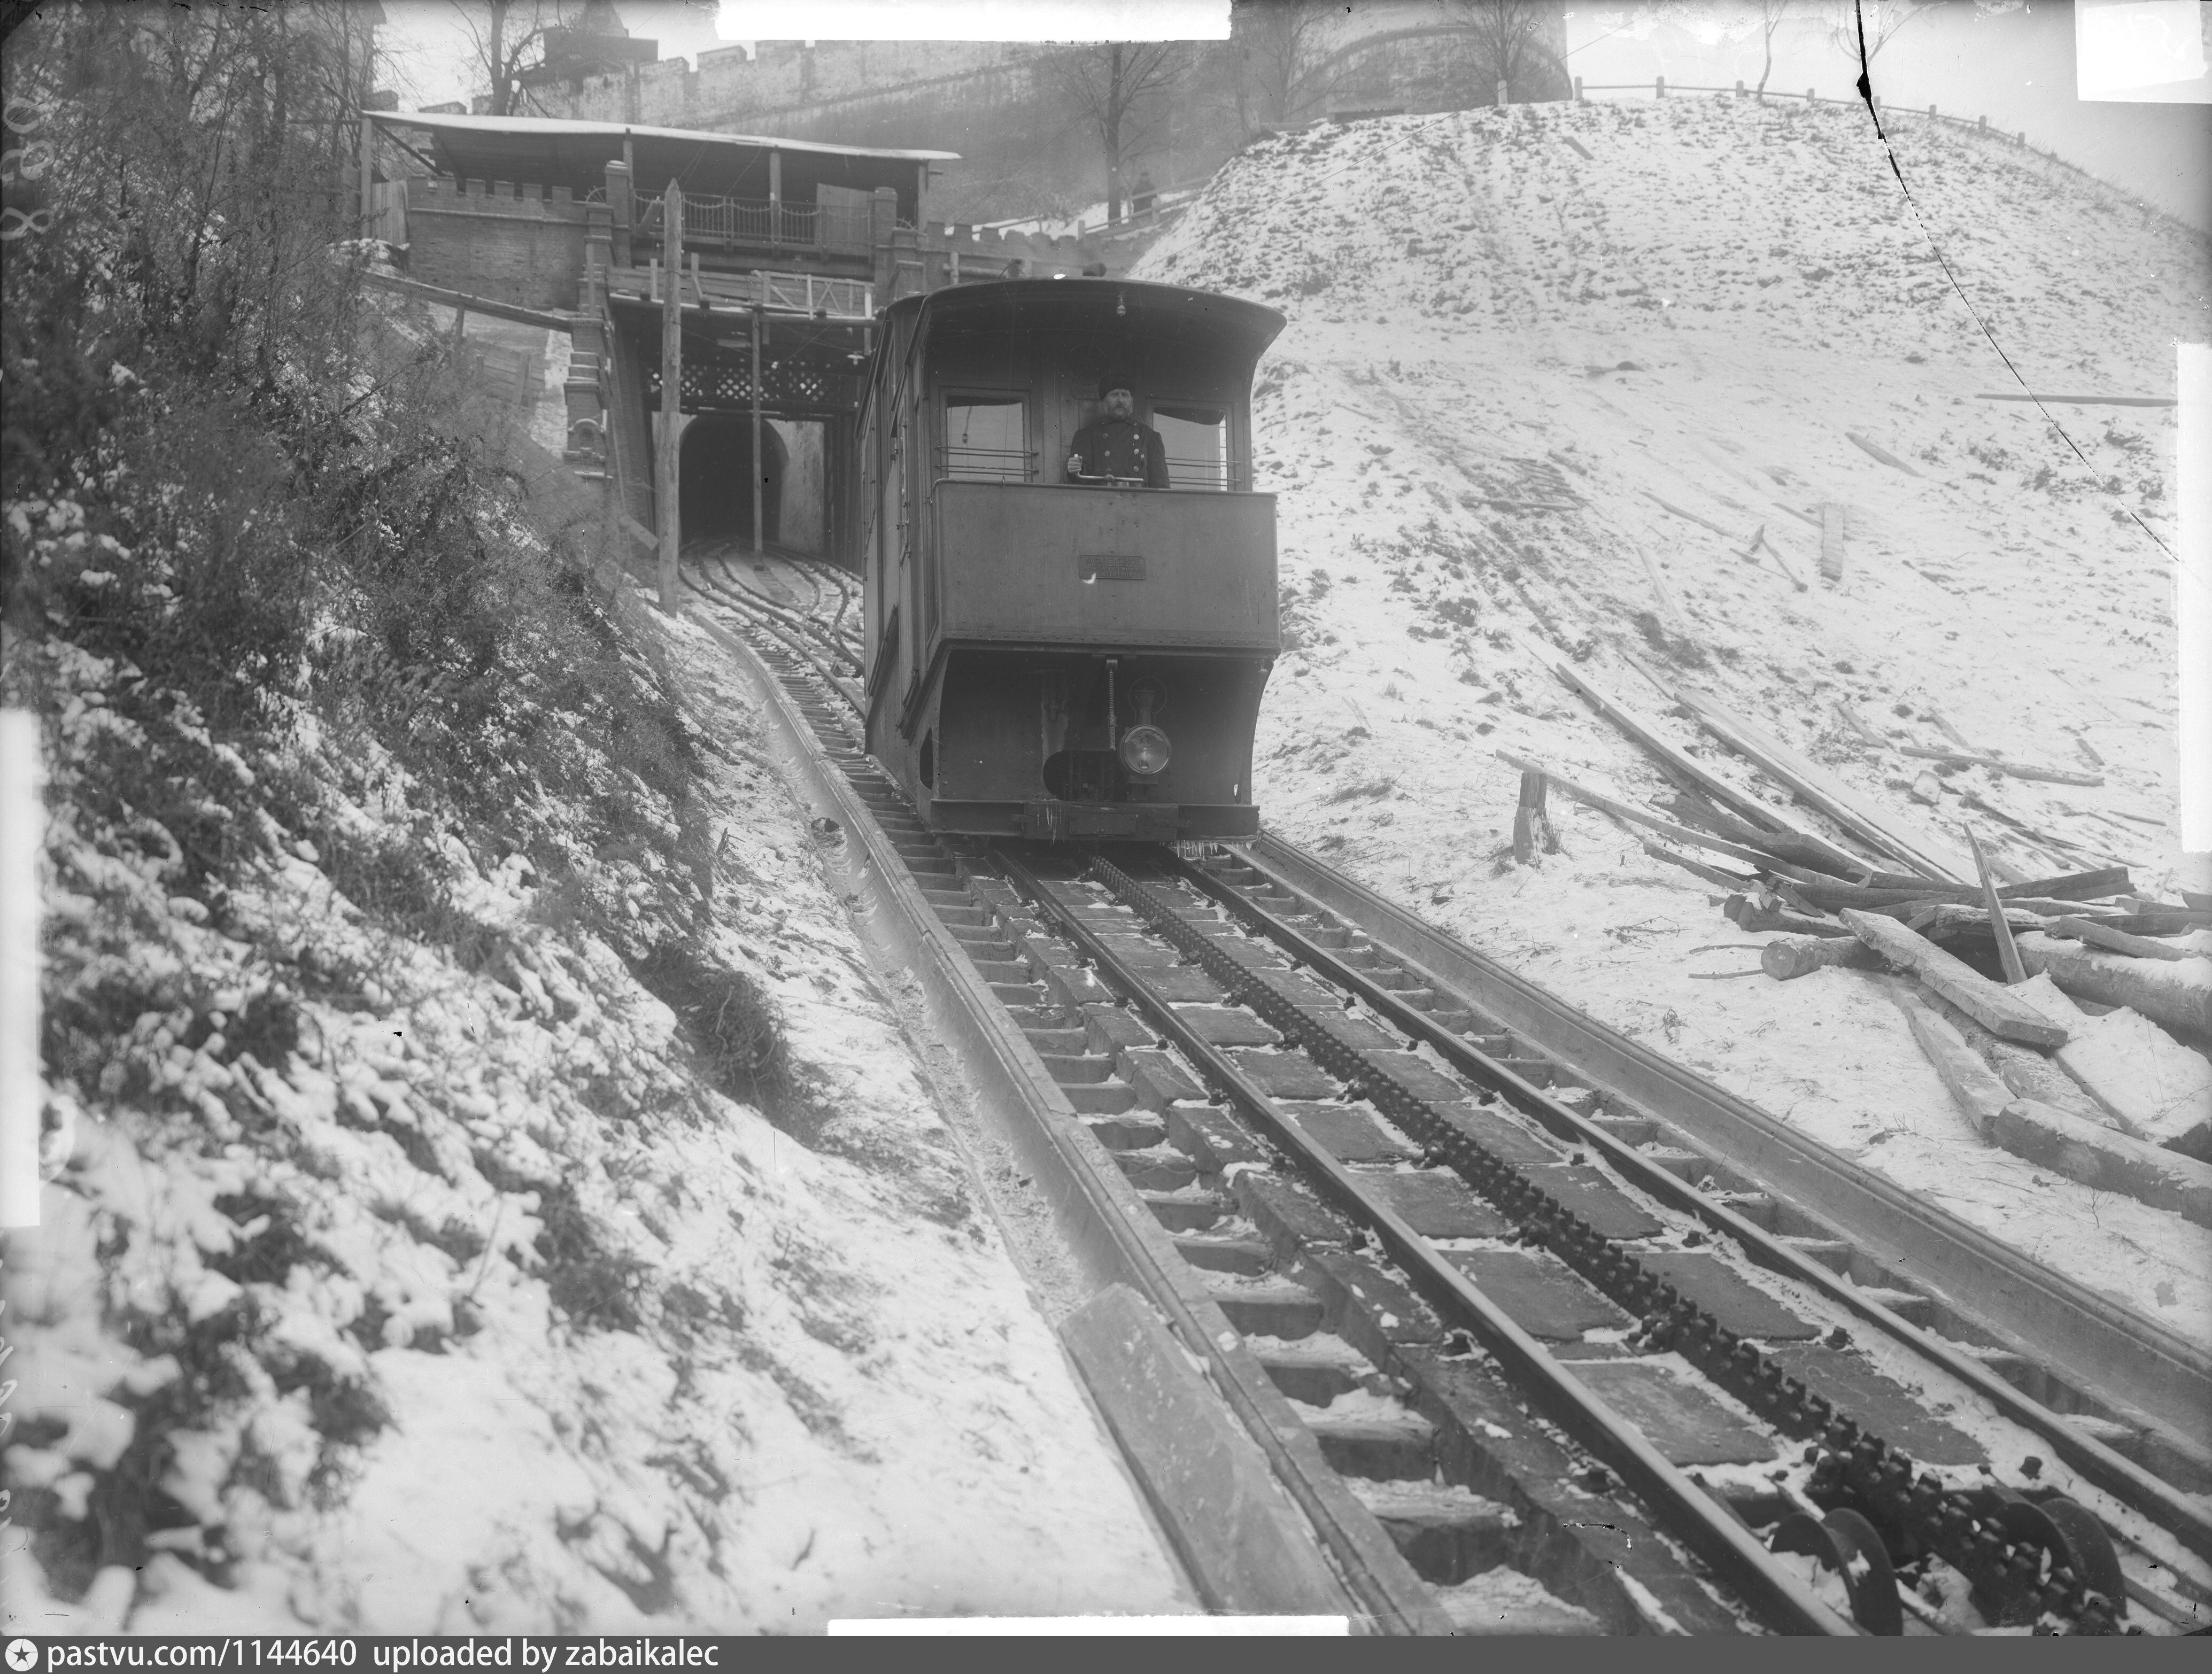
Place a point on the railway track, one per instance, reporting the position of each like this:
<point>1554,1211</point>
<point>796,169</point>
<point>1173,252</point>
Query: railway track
<point>1514,1352</point>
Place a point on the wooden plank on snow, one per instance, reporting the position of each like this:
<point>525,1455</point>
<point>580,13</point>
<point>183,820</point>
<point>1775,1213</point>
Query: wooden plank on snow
<point>1623,811</point>
<point>2000,925</point>
<point>1693,775</point>
<point>1959,758</point>
<point>1815,785</point>
<point>1876,450</point>
<point>1832,541</point>
<point>1995,1008</point>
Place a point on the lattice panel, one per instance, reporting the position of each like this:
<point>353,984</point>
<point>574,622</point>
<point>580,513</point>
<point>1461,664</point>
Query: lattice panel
<point>790,387</point>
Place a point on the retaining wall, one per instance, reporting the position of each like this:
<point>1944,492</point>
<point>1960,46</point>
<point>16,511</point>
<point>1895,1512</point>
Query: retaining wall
<point>523,245</point>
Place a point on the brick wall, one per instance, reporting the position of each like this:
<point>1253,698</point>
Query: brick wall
<point>521,245</point>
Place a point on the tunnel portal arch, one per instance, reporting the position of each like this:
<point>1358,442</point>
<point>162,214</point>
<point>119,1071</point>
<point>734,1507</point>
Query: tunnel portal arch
<point>715,478</point>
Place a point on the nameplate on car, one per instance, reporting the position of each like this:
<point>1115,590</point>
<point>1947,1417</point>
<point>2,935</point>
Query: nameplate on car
<point>1111,566</point>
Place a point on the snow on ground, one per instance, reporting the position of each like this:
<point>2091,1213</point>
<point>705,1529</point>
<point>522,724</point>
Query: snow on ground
<point>1700,302</point>
<point>386,1289</point>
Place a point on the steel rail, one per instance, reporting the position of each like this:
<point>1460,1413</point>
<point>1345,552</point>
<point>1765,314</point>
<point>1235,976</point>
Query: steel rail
<point>792,617</point>
<point>2097,1343</point>
<point>1112,1234</point>
<point>790,641</point>
<point>1702,1523</point>
<point>2178,1513</point>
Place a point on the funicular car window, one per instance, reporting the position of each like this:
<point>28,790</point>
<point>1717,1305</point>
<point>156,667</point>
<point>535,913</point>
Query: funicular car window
<point>1196,439</point>
<point>986,438</point>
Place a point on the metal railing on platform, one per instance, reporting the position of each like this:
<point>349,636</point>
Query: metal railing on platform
<point>732,221</point>
<point>821,295</point>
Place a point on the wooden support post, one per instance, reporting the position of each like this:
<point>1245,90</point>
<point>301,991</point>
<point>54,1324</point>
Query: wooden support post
<point>460,325</point>
<point>760,464</point>
<point>621,209</point>
<point>1504,95</point>
<point>776,197</point>
<point>666,484</point>
<point>1579,100</point>
<point>1659,87</point>
<point>1528,819</point>
<point>368,178</point>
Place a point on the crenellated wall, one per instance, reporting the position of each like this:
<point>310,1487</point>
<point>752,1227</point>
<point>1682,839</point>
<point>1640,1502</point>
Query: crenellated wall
<point>522,245</point>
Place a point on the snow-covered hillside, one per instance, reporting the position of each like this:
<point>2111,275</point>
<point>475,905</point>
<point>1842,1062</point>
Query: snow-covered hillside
<point>410,1259</point>
<point>1701,302</point>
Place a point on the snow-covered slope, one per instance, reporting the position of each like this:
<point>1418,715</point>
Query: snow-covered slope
<point>431,1283</point>
<point>1702,302</point>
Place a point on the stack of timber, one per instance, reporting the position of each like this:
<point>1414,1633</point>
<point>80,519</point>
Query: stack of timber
<point>2056,1138</point>
<point>2067,1014</point>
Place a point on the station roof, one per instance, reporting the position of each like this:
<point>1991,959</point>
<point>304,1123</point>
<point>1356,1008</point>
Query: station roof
<point>555,151</point>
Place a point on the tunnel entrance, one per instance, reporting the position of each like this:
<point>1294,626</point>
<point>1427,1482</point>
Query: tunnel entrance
<point>716,478</point>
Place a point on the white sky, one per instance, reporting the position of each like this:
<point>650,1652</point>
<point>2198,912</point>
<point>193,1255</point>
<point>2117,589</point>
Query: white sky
<point>2016,66</point>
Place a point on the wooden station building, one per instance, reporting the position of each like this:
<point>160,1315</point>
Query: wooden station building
<point>787,251</point>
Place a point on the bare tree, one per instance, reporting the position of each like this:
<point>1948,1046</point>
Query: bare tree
<point>1283,64</point>
<point>1116,87</point>
<point>507,39</point>
<point>1859,29</point>
<point>1771,14</point>
<point>1511,41</point>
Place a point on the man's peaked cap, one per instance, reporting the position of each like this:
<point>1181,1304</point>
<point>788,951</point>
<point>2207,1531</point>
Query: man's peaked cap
<point>1115,380</point>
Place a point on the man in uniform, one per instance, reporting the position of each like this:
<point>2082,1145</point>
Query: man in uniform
<point>1116,445</point>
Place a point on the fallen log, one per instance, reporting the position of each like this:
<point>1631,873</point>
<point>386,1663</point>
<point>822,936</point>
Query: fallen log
<point>1689,773</point>
<point>1985,1001</point>
<point>1789,956</point>
<point>2117,941</point>
<point>2178,994</point>
<point>2051,775</point>
<point>2054,1138</point>
<point>1747,913</point>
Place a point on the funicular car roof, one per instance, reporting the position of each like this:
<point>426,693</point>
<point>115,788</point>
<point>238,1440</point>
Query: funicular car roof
<point>1130,309</point>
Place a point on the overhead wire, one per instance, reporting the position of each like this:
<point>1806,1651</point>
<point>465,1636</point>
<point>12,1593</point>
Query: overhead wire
<point>1874,110</point>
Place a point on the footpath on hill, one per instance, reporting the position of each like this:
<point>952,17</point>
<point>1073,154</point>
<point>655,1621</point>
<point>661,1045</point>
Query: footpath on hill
<point>1548,370</point>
